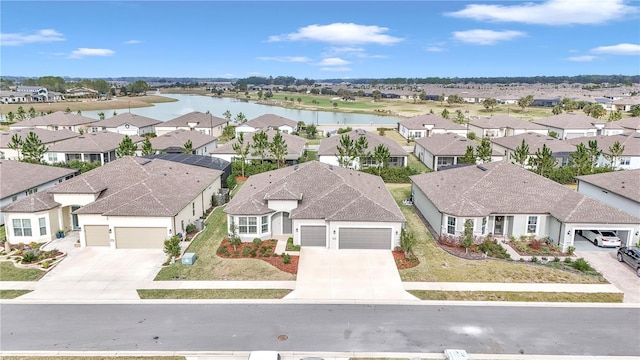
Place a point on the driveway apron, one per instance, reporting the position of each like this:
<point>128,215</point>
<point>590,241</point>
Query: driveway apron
<point>325,274</point>
<point>619,274</point>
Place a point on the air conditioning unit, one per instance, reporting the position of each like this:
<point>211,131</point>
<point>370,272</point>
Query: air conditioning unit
<point>188,258</point>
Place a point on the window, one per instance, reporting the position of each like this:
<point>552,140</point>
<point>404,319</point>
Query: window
<point>31,191</point>
<point>193,209</point>
<point>625,160</point>
<point>532,224</point>
<point>52,157</point>
<point>247,225</point>
<point>484,225</point>
<point>14,198</point>
<point>265,223</point>
<point>22,227</point>
<point>42,222</point>
<point>451,225</point>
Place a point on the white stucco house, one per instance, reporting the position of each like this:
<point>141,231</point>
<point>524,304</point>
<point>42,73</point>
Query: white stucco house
<point>194,121</point>
<point>127,124</point>
<point>47,137</point>
<point>91,147</point>
<point>56,121</point>
<point>128,203</point>
<point>318,205</point>
<point>266,122</point>
<point>571,125</point>
<point>503,125</point>
<point>429,124</point>
<point>618,189</point>
<point>442,150</point>
<point>503,199</point>
<point>296,147</point>
<point>328,150</point>
<point>507,146</point>
<point>630,158</point>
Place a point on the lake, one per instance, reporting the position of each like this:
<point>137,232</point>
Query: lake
<point>217,107</point>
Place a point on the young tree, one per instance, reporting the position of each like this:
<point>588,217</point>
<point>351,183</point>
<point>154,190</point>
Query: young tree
<point>543,161</point>
<point>278,148</point>
<point>311,130</point>
<point>241,118</point>
<point>469,156</point>
<point>172,246</point>
<point>242,150</point>
<point>483,151</point>
<point>525,101</point>
<point>16,144</point>
<point>557,110</point>
<point>234,239</point>
<point>147,148</point>
<point>260,145</point>
<point>489,104</point>
<point>382,156</point>
<point>467,235</point>
<point>101,115</point>
<point>615,115</point>
<point>594,153</point>
<point>521,154</point>
<point>407,241</point>
<point>33,148</point>
<point>346,151</point>
<point>615,153</point>
<point>126,147</point>
<point>445,113</point>
<point>227,115</point>
<point>581,160</point>
<point>188,147</point>
<point>362,152</point>
<point>228,132</point>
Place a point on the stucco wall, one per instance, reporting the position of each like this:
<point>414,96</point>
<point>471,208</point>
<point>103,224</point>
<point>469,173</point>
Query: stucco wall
<point>51,226</point>
<point>625,204</point>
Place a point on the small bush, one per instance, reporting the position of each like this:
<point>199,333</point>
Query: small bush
<point>534,259</point>
<point>253,253</point>
<point>571,250</point>
<point>257,242</point>
<point>172,246</point>
<point>29,256</point>
<point>567,260</point>
<point>191,228</point>
<point>290,246</point>
<point>286,258</point>
<point>556,259</point>
<point>224,251</point>
<point>246,251</point>
<point>582,265</point>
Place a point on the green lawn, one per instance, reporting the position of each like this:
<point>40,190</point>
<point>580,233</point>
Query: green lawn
<point>517,296</point>
<point>12,294</point>
<point>437,265</point>
<point>8,272</point>
<point>213,293</point>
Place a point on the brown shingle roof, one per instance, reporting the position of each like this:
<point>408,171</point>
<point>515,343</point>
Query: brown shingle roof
<point>504,188</point>
<point>449,144</point>
<point>127,118</point>
<point>569,121</point>
<point>505,121</point>
<point>46,136</point>
<point>295,144</point>
<point>204,121</point>
<point>18,176</point>
<point>329,146</point>
<point>270,120</point>
<point>535,142</point>
<point>624,183</point>
<point>327,192</point>
<point>177,138</point>
<point>41,201</point>
<point>102,141</point>
<point>632,123</point>
<point>630,141</point>
<point>58,118</point>
<point>418,123</point>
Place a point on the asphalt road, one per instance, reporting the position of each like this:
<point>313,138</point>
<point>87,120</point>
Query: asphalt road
<point>384,328</point>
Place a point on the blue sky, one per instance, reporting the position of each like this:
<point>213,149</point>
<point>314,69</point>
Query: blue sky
<point>319,40</point>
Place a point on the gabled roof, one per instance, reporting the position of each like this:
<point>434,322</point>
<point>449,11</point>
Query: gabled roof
<point>127,118</point>
<point>46,136</point>
<point>203,121</point>
<point>625,183</point>
<point>630,141</point>
<point>191,159</point>
<point>329,146</point>
<point>449,144</point>
<point>58,118</point>
<point>266,121</point>
<point>504,188</point>
<point>324,192</point>
<point>535,142</point>
<point>177,139</point>
<point>438,122</point>
<point>33,203</point>
<point>569,121</point>
<point>20,176</point>
<point>505,121</point>
<point>632,123</point>
<point>97,142</point>
<point>295,144</point>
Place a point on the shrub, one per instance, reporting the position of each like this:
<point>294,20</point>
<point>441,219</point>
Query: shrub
<point>172,246</point>
<point>257,242</point>
<point>46,264</point>
<point>29,256</point>
<point>253,252</point>
<point>344,130</point>
<point>556,259</point>
<point>571,250</point>
<point>493,249</point>
<point>567,260</point>
<point>231,182</point>
<point>290,246</point>
<point>286,258</point>
<point>535,244</point>
<point>190,229</point>
<point>534,259</point>
<point>245,251</point>
<point>582,265</point>
<point>223,251</point>
<point>471,135</point>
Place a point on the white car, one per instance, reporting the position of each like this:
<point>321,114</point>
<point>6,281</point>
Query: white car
<point>603,238</point>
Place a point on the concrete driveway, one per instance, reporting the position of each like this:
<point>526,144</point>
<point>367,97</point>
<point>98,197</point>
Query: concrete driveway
<point>98,273</point>
<point>325,274</point>
<point>619,274</point>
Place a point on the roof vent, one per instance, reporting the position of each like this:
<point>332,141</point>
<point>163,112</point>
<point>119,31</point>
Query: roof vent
<point>295,167</point>
<point>146,162</point>
<point>330,167</point>
<point>482,168</point>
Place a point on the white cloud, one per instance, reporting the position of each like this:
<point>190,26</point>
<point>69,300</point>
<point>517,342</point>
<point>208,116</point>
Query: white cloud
<point>435,49</point>
<point>296,59</point>
<point>333,62</point>
<point>353,52</point>
<point>41,36</point>
<point>583,58</point>
<point>131,42</point>
<point>486,37</point>
<point>83,52</point>
<point>620,49</point>
<point>552,12</point>
<point>336,69</point>
<point>340,33</point>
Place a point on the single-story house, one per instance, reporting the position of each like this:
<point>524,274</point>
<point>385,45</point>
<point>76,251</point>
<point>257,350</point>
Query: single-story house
<point>571,125</point>
<point>90,147</point>
<point>327,153</point>
<point>127,124</point>
<point>197,160</point>
<point>296,147</point>
<point>503,200</point>
<point>318,205</point>
<point>507,146</point>
<point>56,121</point>
<point>266,122</point>
<point>631,124</point>
<point>503,125</point>
<point>442,150</point>
<point>429,124</point>
<point>20,179</point>
<point>131,202</point>
<point>173,142</point>
<point>630,158</point>
<point>47,137</point>
<point>195,121</point>
<point>618,189</point>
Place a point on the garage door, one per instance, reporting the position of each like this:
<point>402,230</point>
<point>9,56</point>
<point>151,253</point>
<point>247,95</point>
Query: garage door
<point>363,238</point>
<point>313,235</point>
<point>140,238</point>
<point>96,235</point>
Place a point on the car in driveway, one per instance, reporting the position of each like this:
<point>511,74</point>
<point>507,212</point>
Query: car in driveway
<point>631,256</point>
<point>602,238</point>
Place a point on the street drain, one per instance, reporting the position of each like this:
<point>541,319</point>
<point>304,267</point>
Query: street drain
<point>282,337</point>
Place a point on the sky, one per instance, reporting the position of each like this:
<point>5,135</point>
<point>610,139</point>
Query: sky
<point>319,39</point>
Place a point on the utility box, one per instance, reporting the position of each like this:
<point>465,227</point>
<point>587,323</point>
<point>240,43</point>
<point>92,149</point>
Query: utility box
<point>199,223</point>
<point>455,354</point>
<point>188,258</point>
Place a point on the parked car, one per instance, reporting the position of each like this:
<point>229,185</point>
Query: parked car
<point>631,256</point>
<point>264,355</point>
<point>603,238</point>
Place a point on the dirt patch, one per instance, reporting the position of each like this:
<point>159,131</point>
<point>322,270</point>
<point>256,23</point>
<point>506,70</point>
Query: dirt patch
<point>265,251</point>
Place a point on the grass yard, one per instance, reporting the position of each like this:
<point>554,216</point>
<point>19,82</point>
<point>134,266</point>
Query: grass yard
<point>414,162</point>
<point>213,294</point>
<point>209,266</point>
<point>517,296</point>
<point>437,265</point>
<point>8,272</point>
<point>12,294</point>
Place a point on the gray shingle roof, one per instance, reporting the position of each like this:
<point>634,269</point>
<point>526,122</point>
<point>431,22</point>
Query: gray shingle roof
<point>41,201</point>
<point>58,118</point>
<point>326,192</point>
<point>448,144</point>
<point>329,146</point>
<point>204,121</point>
<point>504,188</point>
<point>127,118</point>
<point>505,121</point>
<point>418,123</point>
<point>630,141</point>
<point>18,176</point>
<point>102,141</point>
<point>270,120</point>
<point>535,142</point>
<point>632,123</point>
<point>569,121</point>
<point>624,183</point>
<point>46,136</point>
<point>295,144</point>
<point>177,139</point>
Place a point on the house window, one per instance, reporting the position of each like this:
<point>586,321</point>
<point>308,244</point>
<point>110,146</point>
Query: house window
<point>14,198</point>
<point>247,225</point>
<point>52,157</point>
<point>31,191</point>
<point>451,225</point>
<point>532,224</point>
<point>193,209</point>
<point>484,225</point>
<point>265,223</point>
<point>625,161</point>
<point>42,222</point>
<point>22,227</point>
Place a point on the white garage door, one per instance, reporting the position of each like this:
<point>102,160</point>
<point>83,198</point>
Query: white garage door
<point>364,238</point>
<point>140,237</point>
<point>96,235</point>
<point>313,235</point>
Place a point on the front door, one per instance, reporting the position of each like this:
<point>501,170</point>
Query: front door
<point>499,225</point>
<point>286,224</point>
<point>74,218</point>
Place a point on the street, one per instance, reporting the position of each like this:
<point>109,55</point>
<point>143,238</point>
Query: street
<point>539,330</point>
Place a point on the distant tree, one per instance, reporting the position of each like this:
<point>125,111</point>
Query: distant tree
<point>557,110</point>
<point>382,155</point>
<point>228,132</point>
<point>32,112</point>
<point>460,119</point>
<point>594,153</point>
<point>489,103</point>
<point>445,113</point>
<point>521,154</point>
<point>543,161</point>
<point>615,115</point>
<point>362,153</point>
<point>299,100</point>
<point>241,118</point>
<point>635,110</point>
<point>311,130</point>
<point>483,151</point>
<point>79,112</point>
<point>260,145</point>
<point>21,114</point>
<point>126,147</point>
<point>278,148</point>
<point>188,147</point>
<point>260,94</point>
<point>597,111</point>
<point>525,101</point>
<point>16,144</point>
<point>335,105</point>
<point>101,115</point>
<point>615,153</point>
<point>469,156</point>
<point>242,150</point>
<point>454,99</point>
<point>227,115</point>
<point>441,98</point>
<point>553,134</point>
<point>147,148</point>
<point>33,149</point>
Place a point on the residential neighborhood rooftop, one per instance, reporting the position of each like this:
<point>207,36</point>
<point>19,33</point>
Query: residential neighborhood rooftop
<point>535,141</point>
<point>329,146</point>
<point>201,120</point>
<point>17,176</point>
<point>270,120</point>
<point>46,136</point>
<point>177,139</point>
<point>505,121</point>
<point>127,118</point>
<point>295,144</point>
<point>58,118</point>
<point>449,144</point>
<point>99,142</point>
<point>569,120</point>
<point>624,183</point>
<point>419,122</point>
<point>630,141</point>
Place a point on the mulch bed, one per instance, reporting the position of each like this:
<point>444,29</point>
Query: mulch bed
<point>537,249</point>
<point>269,246</point>
<point>402,262</point>
<point>460,251</point>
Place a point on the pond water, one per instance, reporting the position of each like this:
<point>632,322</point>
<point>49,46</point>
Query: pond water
<point>217,107</point>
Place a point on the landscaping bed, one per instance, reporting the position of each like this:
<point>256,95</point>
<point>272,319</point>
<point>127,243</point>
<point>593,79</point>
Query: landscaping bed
<point>403,261</point>
<point>29,256</point>
<point>529,246</point>
<point>261,250</point>
<point>481,248</point>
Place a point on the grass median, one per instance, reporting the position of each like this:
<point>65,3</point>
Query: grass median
<point>214,294</point>
<point>12,294</point>
<point>517,296</point>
